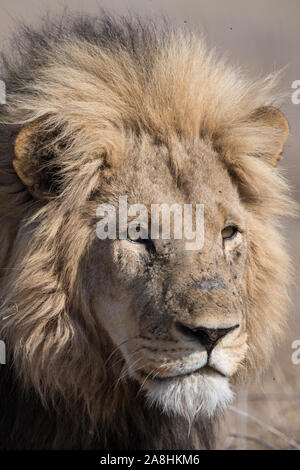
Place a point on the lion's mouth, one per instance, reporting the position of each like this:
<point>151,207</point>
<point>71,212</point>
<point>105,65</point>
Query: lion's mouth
<point>205,370</point>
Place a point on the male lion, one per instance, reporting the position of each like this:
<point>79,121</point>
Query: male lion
<point>134,344</point>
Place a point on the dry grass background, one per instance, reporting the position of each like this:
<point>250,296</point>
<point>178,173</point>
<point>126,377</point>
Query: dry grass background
<point>264,35</point>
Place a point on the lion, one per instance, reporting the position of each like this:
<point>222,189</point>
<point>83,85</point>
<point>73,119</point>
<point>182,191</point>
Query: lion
<point>134,343</point>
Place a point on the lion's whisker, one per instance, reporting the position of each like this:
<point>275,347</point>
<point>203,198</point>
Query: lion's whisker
<point>125,372</point>
<point>150,373</point>
<point>123,359</point>
<point>117,348</point>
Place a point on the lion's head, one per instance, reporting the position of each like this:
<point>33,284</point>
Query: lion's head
<point>114,110</point>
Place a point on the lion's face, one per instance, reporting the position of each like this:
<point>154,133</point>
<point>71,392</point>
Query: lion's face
<point>177,315</point>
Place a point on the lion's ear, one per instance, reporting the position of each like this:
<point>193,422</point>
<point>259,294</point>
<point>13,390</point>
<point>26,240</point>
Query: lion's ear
<point>272,119</point>
<point>33,154</point>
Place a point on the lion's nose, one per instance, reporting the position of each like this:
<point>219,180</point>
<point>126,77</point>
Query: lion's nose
<point>208,337</point>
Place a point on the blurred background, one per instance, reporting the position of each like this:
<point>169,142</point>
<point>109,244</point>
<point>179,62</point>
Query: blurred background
<point>262,36</point>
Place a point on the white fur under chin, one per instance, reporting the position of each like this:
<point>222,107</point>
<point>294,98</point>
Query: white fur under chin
<point>191,396</point>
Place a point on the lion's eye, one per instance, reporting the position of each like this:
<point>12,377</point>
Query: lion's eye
<point>229,232</point>
<point>144,241</point>
<point>137,236</point>
<point>136,240</point>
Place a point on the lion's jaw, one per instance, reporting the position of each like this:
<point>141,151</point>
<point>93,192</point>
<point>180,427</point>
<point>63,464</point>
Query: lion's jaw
<point>193,385</point>
<point>188,383</point>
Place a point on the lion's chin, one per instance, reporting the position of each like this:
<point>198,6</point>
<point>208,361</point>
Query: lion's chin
<point>202,393</point>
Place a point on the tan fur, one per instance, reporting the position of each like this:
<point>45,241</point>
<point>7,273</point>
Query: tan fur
<point>167,123</point>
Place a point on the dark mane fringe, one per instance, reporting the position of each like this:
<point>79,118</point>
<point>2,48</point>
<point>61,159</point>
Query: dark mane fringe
<point>30,425</point>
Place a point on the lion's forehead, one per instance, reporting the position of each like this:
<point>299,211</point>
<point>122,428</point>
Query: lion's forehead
<point>175,173</point>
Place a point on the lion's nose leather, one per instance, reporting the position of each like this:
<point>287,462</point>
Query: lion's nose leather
<point>208,337</point>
